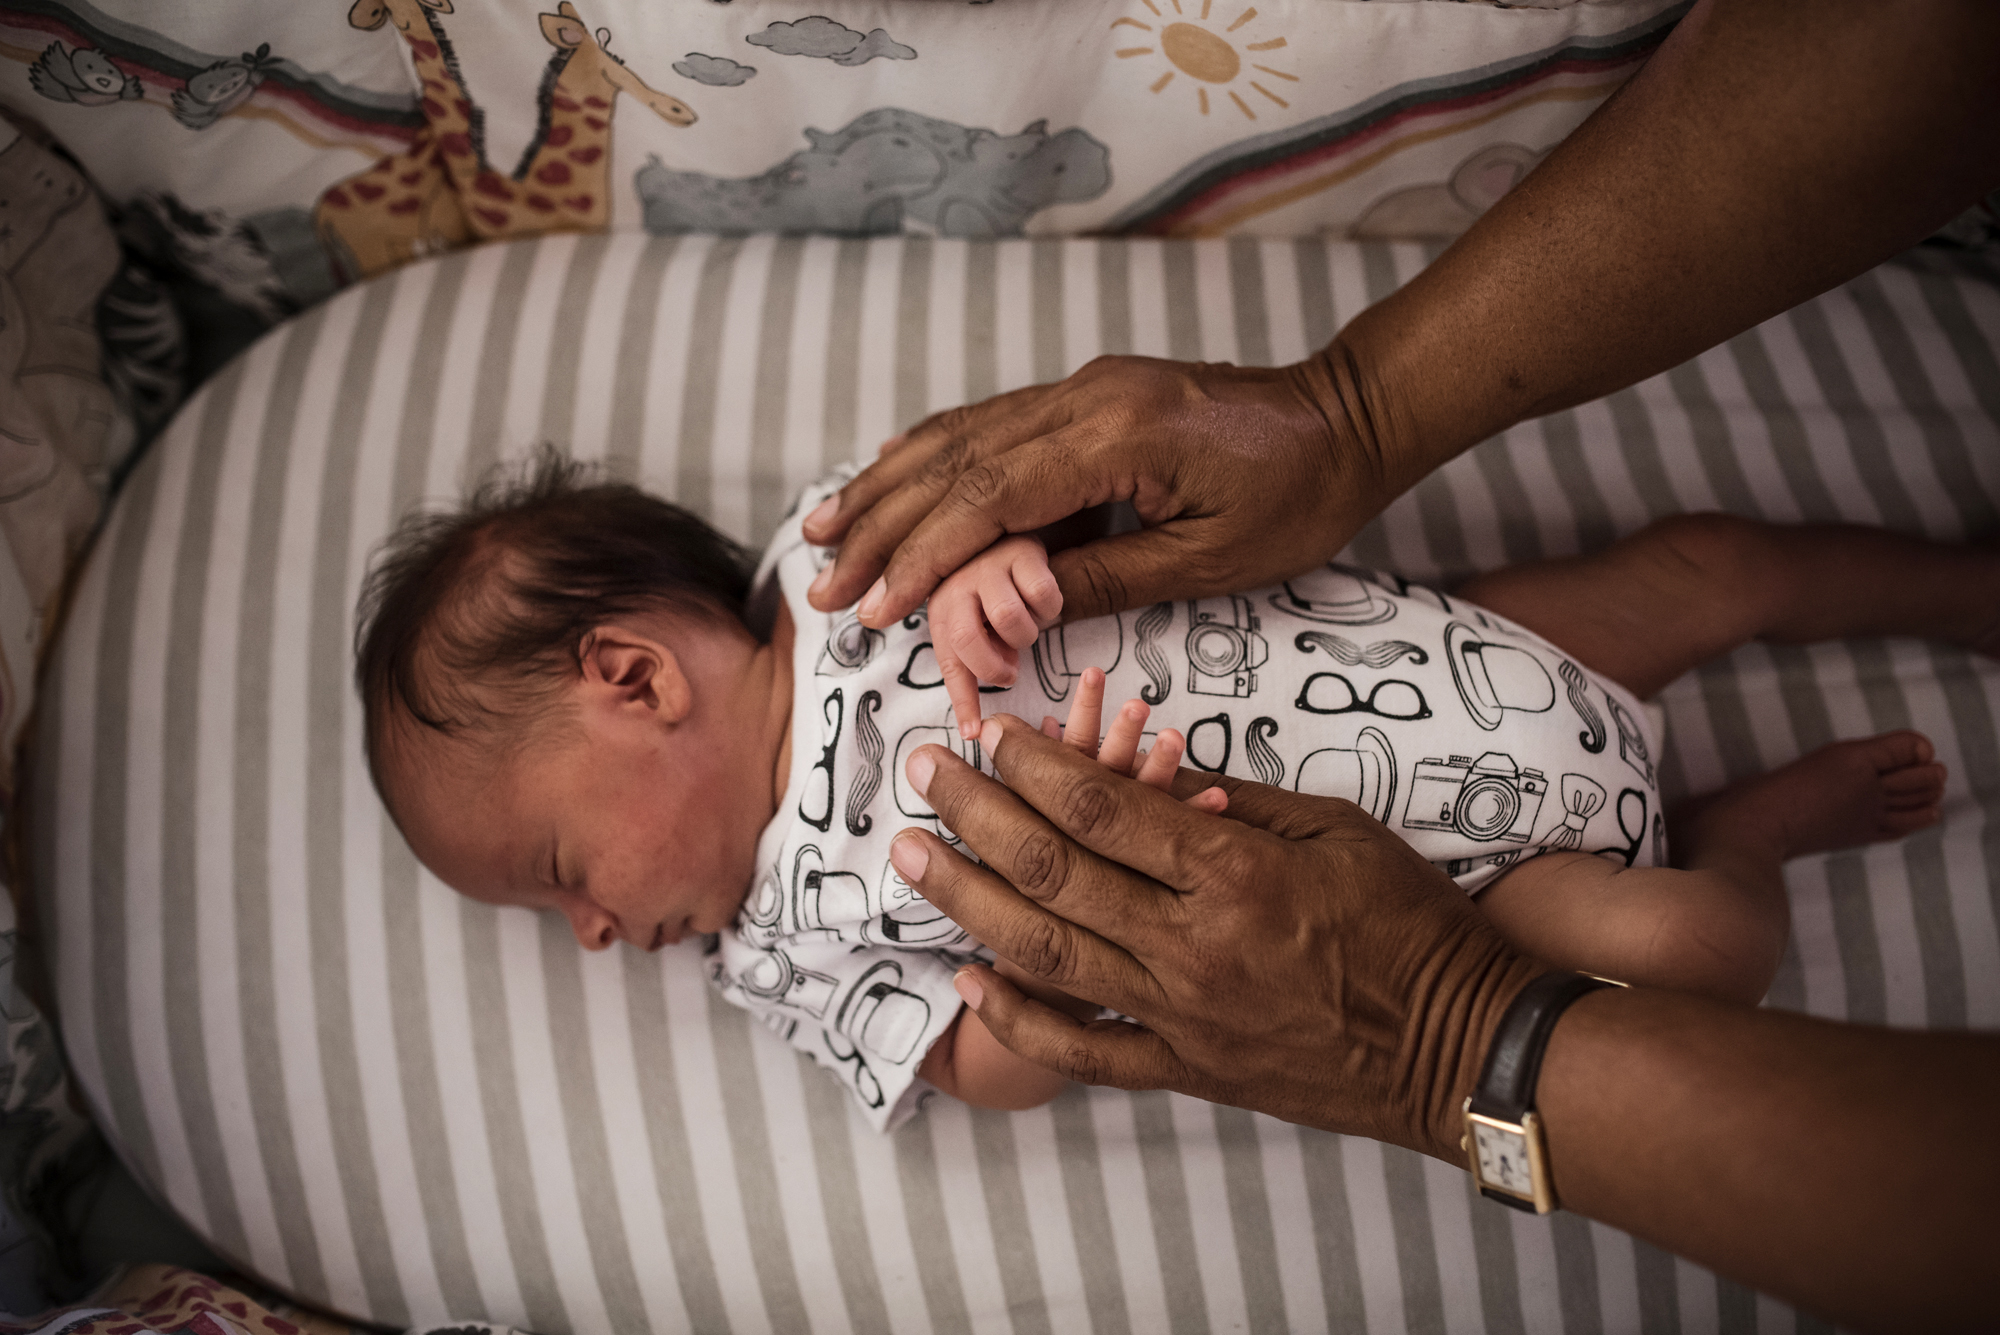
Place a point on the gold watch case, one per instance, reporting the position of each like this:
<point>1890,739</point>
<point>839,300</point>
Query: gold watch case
<point>1509,1158</point>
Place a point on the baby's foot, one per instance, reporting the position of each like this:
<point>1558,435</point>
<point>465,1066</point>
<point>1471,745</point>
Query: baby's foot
<point>1843,795</point>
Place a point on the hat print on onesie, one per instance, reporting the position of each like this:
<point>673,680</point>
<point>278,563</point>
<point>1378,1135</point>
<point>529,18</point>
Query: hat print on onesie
<point>1493,678</point>
<point>1364,774</point>
<point>1335,596</point>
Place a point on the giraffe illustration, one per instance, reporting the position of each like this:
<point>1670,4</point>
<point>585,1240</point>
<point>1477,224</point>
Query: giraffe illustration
<point>442,192</point>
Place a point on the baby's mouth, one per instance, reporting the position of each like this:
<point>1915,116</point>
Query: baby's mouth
<point>659,938</point>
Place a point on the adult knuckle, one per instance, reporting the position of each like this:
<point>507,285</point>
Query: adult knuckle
<point>1080,1061</point>
<point>980,486</point>
<point>1089,805</point>
<point>948,460</point>
<point>1039,948</point>
<point>1041,865</point>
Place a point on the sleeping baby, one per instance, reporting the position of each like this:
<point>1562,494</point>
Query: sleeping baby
<point>581,698</point>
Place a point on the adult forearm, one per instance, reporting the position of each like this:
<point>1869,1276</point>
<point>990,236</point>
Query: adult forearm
<point>1769,150</point>
<point>1852,1170</point>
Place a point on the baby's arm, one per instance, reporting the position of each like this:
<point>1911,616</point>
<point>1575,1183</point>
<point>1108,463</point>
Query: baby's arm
<point>968,1063</point>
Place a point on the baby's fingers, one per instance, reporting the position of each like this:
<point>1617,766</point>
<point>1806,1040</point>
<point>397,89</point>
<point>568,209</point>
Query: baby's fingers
<point>1086,712</point>
<point>1030,575</point>
<point>962,688</point>
<point>1007,614</point>
<point>1157,767</point>
<point>1160,763</point>
<point>1121,743</point>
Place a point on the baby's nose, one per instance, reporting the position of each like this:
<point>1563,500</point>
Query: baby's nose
<point>594,929</point>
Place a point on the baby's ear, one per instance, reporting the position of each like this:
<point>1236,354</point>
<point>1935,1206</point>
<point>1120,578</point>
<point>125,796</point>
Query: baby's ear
<point>626,669</point>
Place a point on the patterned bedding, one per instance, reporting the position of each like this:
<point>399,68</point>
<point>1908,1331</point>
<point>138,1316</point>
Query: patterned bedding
<point>409,1107</point>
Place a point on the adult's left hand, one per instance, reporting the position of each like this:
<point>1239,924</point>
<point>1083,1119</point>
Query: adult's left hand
<point>1292,957</point>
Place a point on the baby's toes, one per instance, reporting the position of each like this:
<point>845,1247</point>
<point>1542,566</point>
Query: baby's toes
<point>1895,824</point>
<point>1913,788</point>
<point>1893,751</point>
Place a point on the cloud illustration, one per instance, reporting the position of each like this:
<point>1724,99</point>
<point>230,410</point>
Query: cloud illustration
<point>716,71</point>
<point>822,37</point>
<point>877,43</point>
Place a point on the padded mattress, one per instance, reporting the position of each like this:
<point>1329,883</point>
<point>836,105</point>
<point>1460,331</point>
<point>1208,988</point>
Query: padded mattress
<point>406,1106</point>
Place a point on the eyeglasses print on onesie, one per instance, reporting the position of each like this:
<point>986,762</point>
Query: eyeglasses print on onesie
<point>1390,698</point>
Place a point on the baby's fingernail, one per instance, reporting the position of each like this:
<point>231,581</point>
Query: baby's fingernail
<point>968,729</point>
<point>966,983</point>
<point>910,857</point>
<point>873,602</point>
<point>820,581</point>
<point>823,513</point>
<point>920,768</point>
<point>989,736</point>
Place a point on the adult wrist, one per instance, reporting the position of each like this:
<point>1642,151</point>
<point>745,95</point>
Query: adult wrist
<point>1465,1017</point>
<point>1368,414</point>
<point>1504,1142</point>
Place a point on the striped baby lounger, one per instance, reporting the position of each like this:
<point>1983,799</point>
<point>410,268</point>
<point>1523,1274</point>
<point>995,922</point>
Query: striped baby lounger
<point>406,1106</point>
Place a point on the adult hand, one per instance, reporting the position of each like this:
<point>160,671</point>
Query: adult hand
<point>1293,957</point>
<point>1241,476</point>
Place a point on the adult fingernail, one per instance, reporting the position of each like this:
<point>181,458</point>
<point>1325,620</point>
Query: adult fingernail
<point>966,984</point>
<point>824,512</point>
<point>910,857</point>
<point>920,768</point>
<point>820,581</point>
<point>989,736</point>
<point>873,602</point>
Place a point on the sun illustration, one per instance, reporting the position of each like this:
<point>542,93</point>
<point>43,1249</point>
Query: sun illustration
<point>1206,54</point>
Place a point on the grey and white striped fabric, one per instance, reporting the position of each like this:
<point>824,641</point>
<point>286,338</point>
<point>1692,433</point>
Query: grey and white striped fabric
<point>407,1106</point>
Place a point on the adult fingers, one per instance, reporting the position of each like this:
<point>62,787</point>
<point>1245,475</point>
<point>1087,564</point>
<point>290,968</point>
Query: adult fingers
<point>1039,476</point>
<point>1189,557</point>
<point>980,899</point>
<point>1288,815</point>
<point>1120,821</point>
<point>923,476</point>
<point>902,456</point>
<point>1102,1052</point>
<point>1047,868</point>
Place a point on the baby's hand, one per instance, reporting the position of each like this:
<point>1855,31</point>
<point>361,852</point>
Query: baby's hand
<point>984,614</point>
<point>1120,747</point>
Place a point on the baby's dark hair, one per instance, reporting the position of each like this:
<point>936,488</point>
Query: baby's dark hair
<point>471,620</point>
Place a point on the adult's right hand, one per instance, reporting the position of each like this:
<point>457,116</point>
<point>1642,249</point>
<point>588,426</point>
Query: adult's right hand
<point>1292,957</point>
<point>1241,476</point>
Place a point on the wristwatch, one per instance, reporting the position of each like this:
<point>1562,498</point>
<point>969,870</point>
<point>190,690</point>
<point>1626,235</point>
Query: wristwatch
<point>1503,1134</point>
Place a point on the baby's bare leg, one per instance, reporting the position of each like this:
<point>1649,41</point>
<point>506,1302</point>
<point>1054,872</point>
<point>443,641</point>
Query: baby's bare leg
<point>1716,922</point>
<point>1691,588</point>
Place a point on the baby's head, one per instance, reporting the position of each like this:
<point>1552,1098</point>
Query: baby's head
<point>564,708</point>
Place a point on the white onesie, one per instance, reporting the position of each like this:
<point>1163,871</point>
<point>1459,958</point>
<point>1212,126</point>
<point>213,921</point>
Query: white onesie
<point>1476,741</point>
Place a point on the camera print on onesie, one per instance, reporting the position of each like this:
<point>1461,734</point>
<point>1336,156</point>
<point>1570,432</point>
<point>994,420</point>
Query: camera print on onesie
<point>1224,648</point>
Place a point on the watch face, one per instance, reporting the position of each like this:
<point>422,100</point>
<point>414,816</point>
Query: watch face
<point>1503,1159</point>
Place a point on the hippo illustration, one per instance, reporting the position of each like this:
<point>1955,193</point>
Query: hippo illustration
<point>888,170</point>
<point>83,76</point>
